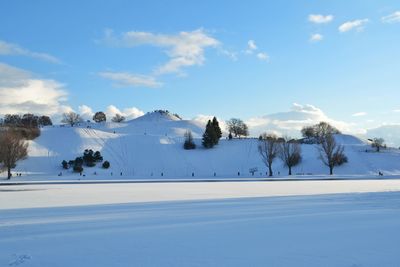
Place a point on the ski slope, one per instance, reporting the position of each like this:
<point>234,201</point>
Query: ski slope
<point>151,146</point>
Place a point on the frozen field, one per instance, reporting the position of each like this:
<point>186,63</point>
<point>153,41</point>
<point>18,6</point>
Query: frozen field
<point>202,224</point>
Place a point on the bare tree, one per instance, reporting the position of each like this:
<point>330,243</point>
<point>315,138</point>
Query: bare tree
<point>269,150</point>
<point>378,143</point>
<point>71,118</point>
<point>237,127</point>
<point>12,149</point>
<point>290,153</point>
<point>118,118</point>
<point>331,153</point>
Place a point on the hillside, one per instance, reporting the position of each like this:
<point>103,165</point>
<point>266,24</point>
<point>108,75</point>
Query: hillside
<point>151,147</point>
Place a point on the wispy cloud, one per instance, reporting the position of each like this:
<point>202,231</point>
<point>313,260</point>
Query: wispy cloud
<point>392,18</point>
<point>251,47</point>
<point>125,79</point>
<point>320,19</point>
<point>14,49</point>
<point>316,37</point>
<point>263,56</point>
<point>184,49</point>
<point>359,114</point>
<point>353,25</point>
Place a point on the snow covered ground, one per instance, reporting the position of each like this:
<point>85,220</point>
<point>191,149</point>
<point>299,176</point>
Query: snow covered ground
<point>60,195</point>
<point>356,229</point>
<point>151,147</point>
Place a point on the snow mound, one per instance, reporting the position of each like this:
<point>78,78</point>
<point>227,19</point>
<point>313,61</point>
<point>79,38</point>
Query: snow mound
<point>345,139</point>
<point>158,115</point>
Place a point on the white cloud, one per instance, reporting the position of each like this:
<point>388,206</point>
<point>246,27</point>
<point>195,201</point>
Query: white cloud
<point>263,56</point>
<point>355,24</point>
<point>316,37</point>
<point>125,79</point>
<point>359,114</point>
<point>20,93</point>
<point>202,120</point>
<point>129,113</point>
<point>86,112</point>
<point>319,19</point>
<point>251,50</point>
<point>14,49</point>
<point>251,47</point>
<point>184,49</point>
<point>291,122</point>
<point>392,18</point>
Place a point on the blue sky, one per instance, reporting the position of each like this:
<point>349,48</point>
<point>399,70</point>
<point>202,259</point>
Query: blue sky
<point>221,58</point>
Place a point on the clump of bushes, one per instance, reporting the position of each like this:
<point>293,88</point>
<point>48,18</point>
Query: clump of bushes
<point>89,159</point>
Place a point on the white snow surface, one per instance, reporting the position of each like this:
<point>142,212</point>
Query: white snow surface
<point>320,230</point>
<point>151,146</point>
<point>60,195</point>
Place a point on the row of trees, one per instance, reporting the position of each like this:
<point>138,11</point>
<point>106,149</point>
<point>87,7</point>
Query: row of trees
<point>271,147</point>
<point>27,120</point>
<point>73,118</point>
<point>289,150</point>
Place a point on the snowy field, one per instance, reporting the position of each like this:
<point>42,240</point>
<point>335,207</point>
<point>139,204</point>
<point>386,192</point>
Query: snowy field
<point>60,195</point>
<point>202,224</point>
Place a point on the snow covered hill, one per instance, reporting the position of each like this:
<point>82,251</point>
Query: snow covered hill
<point>151,147</point>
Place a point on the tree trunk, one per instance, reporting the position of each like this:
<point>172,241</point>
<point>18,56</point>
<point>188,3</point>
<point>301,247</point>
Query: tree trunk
<point>270,170</point>
<point>290,170</point>
<point>330,170</point>
<point>9,173</point>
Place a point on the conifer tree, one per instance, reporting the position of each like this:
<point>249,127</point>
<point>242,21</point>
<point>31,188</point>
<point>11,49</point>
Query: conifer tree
<point>209,136</point>
<point>217,129</point>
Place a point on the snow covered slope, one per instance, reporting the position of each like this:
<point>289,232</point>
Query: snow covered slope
<point>151,147</point>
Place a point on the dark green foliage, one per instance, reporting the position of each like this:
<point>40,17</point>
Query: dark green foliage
<point>99,116</point>
<point>217,129</point>
<point>64,164</point>
<point>106,164</point>
<point>45,121</point>
<point>97,156</point>
<point>88,158</point>
<point>210,136</point>
<point>78,161</point>
<point>78,168</point>
<point>189,143</point>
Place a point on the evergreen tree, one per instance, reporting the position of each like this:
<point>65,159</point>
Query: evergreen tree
<point>189,143</point>
<point>209,136</point>
<point>217,129</point>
